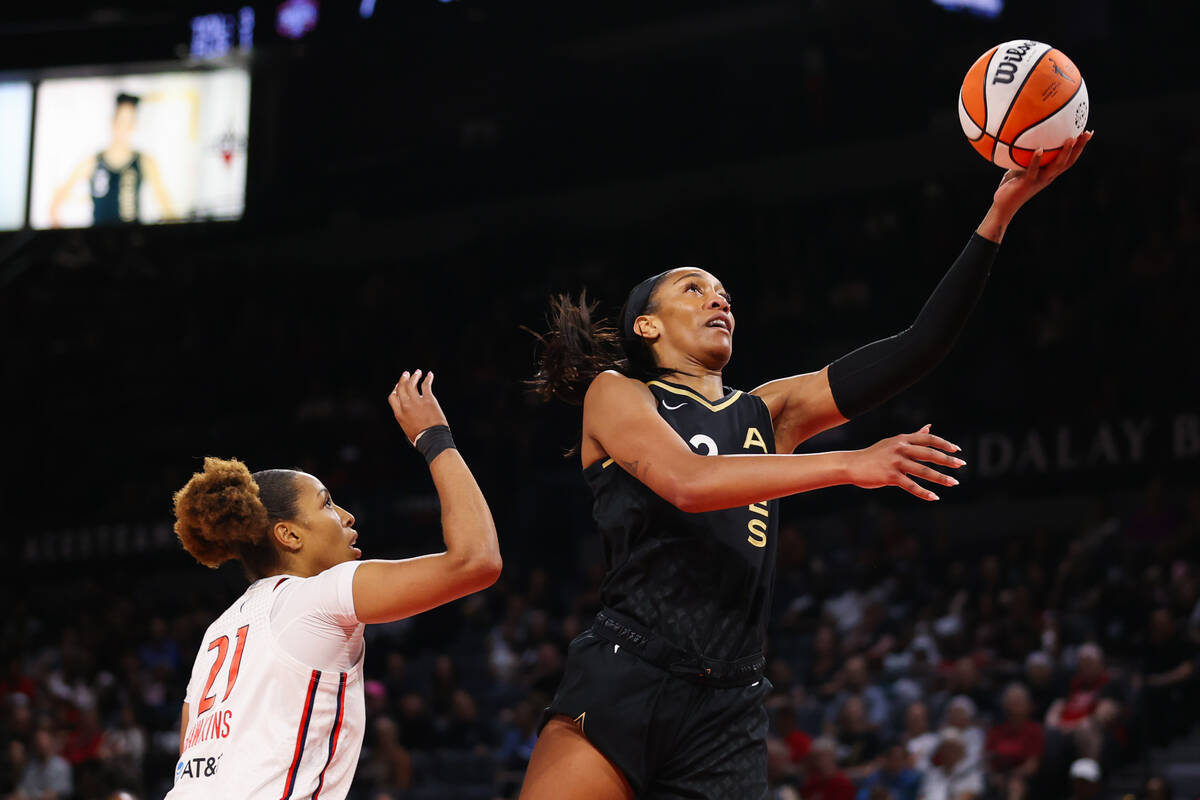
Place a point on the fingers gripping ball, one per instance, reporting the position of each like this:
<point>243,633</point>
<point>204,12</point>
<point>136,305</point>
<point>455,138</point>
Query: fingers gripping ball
<point>1019,96</point>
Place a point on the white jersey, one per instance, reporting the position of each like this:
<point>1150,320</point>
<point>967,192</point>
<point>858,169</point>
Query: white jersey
<point>275,701</point>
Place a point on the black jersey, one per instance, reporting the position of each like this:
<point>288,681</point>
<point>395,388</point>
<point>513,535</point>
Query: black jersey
<point>115,190</point>
<point>701,581</point>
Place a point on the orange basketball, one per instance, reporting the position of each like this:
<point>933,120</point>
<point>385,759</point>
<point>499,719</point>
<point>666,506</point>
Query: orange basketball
<point>1019,96</point>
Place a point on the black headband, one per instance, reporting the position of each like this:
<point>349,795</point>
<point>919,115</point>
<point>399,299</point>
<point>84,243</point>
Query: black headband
<point>635,305</point>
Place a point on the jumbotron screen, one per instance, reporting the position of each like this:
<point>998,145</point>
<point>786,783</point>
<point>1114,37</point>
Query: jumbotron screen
<point>16,110</point>
<point>165,147</point>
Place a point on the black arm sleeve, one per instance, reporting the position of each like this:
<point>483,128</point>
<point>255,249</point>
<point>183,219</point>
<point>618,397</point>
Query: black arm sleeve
<point>872,374</point>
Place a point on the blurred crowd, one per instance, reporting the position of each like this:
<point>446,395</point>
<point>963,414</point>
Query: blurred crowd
<point>904,666</point>
<point>1030,667</point>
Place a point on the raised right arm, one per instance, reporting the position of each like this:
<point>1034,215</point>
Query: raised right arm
<point>620,419</point>
<point>389,590</point>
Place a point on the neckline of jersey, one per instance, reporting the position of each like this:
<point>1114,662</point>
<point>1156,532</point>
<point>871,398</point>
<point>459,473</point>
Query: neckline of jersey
<point>687,391</point>
<point>104,162</point>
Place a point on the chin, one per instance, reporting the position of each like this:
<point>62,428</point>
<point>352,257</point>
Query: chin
<point>719,358</point>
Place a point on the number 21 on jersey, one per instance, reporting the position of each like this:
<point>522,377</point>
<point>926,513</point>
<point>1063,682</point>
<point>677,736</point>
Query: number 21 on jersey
<point>221,645</point>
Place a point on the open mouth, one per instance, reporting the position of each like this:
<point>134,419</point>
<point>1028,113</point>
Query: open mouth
<point>720,321</point>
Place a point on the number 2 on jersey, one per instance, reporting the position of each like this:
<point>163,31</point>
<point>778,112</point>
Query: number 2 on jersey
<point>222,645</point>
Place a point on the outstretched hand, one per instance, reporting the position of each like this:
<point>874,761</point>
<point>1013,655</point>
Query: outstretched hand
<point>896,460</point>
<point>414,405</point>
<point>1018,185</point>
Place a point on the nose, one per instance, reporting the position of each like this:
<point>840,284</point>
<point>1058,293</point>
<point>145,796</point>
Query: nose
<point>719,303</point>
<point>347,519</point>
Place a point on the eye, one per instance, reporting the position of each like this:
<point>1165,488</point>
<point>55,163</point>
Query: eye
<point>329,502</point>
<point>694,287</point>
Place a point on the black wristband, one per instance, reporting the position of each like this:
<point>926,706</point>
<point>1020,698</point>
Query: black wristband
<point>433,440</point>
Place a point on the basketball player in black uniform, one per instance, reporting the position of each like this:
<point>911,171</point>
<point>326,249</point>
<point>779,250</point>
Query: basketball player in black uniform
<point>115,174</point>
<point>663,696</point>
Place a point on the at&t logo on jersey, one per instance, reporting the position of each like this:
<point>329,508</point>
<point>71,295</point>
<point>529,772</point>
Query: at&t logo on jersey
<point>197,767</point>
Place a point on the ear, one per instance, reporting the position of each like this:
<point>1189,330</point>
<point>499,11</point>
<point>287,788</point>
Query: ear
<point>647,327</point>
<point>286,537</point>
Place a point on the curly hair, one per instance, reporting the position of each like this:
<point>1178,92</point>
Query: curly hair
<point>225,513</point>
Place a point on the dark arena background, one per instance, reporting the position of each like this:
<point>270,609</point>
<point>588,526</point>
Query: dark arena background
<point>367,187</point>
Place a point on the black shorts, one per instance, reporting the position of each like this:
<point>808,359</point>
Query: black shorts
<point>672,737</point>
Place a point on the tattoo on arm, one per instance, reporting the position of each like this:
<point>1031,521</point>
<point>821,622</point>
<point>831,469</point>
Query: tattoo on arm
<point>638,469</point>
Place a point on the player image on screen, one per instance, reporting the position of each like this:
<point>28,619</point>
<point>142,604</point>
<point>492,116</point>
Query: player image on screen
<point>663,696</point>
<point>140,148</point>
<point>275,704</point>
<point>115,174</point>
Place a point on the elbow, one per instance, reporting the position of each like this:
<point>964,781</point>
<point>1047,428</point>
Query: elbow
<point>479,570</point>
<point>687,489</point>
<point>687,496</point>
<point>487,570</point>
<point>688,502</point>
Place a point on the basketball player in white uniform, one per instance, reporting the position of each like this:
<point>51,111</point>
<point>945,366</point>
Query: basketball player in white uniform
<point>274,707</point>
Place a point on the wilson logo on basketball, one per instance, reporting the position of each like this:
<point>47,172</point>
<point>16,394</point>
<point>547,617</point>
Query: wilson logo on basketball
<point>1006,70</point>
